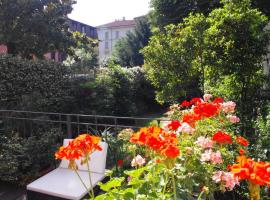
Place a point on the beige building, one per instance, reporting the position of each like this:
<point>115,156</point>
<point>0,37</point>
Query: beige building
<point>109,34</point>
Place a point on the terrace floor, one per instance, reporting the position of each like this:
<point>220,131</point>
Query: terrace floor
<point>11,192</point>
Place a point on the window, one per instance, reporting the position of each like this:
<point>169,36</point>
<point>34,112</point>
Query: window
<point>106,35</point>
<point>107,52</point>
<point>117,34</point>
<point>83,29</point>
<point>106,45</point>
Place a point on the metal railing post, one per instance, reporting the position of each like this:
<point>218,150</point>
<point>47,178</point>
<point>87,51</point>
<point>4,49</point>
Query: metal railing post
<point>69,131</point>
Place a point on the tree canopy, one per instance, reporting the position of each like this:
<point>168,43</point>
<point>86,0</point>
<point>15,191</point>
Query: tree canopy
<point>223,49</point>
<point>34,27</point>
<point>127,50</point>
<point>174,11</point>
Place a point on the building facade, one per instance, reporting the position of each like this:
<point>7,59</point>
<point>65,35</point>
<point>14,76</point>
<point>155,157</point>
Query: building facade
<point>89,31</point>
<point>109,34</point>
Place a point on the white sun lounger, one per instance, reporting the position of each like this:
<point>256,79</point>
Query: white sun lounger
<point>64,183</point>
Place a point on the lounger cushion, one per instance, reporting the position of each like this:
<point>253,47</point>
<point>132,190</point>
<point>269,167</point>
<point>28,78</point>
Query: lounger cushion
<point>97,159</point>
<point>64,183</point>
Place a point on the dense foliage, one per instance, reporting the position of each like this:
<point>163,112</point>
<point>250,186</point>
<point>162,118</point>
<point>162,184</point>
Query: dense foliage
<point>114,90</point>
<point>173,59</point>
<point>18,163</point>
<point>34,27</point>
<point>173,12</point>
<point>214,55</point>
<point>127,49</point>
<point>234,56</point>
<point>31,85</point>
<point>82,58</point>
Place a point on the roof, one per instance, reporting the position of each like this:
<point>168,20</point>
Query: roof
<point>120,23</point>
<point>72,20</point>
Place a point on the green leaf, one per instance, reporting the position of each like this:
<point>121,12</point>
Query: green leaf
<point>113,183</point>
<point>104,197</point>
<point>136,172</point>
<point>136,181</point>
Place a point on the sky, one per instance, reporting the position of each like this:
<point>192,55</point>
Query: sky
<point>98,12</point>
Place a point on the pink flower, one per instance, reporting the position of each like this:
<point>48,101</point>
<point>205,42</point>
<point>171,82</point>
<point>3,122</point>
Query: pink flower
<point>228,107</point>
<point>204,142</point>
<point>217,177</point>
<point>233,119</point>
<point>216,158</point>
<point>129,178</point>
<point>230,180</point>
<point>226,177</point>
<point>138,161</point>
<point>206,156</point>
<point>185,128</point>
<point>206,97</point>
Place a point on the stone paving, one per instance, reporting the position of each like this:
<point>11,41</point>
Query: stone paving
<point>11,192</point>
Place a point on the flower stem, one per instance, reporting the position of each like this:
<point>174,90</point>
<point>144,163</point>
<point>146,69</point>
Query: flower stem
<point>166,180</point>
<point>254,191</point>
<point>89,174</point>
<point>174,187</point>
<point>82,182</point>
<point>200,196</point>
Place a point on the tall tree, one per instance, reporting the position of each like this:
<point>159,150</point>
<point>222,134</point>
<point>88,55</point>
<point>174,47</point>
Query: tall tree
<point>224,50</point>
<point>174,11</point>
<point>237,40</point>
<point>127,50</point>
<point>34,27</point>
<point>173,59</point>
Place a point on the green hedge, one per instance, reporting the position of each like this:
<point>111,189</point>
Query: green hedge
<point>23,159</point>
<point>31,85</point>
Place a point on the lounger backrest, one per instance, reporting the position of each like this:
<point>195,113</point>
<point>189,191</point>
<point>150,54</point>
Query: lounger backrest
<point>97,159</point>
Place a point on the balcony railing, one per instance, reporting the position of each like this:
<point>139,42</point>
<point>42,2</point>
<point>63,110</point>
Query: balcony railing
<point>28,122</point>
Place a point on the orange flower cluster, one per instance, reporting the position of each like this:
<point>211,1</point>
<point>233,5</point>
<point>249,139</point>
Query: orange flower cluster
<point>158,140</point>
<point>83,145</point>
<point>255,172</point>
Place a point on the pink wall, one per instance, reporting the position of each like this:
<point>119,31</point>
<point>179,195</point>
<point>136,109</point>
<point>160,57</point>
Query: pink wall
<point>3,49</point>
<point>48,56</point>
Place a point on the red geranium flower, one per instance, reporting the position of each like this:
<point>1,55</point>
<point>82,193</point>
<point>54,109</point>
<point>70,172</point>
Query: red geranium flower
<point>195,100</point>
<point>185,104</point>
<point>218,100</point>
<point>222,138</point>
<point>81,146</point>
<point>120,163</point>
<point>241,151</point>
<point>242,141</point>
<point>191,119</point>
<point>206,109</point>
<point>171,151</point>
<point>158,140</point>
<point>174,125</point>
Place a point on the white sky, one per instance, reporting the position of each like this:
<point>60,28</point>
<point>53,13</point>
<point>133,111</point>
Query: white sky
<point>98,12</point>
